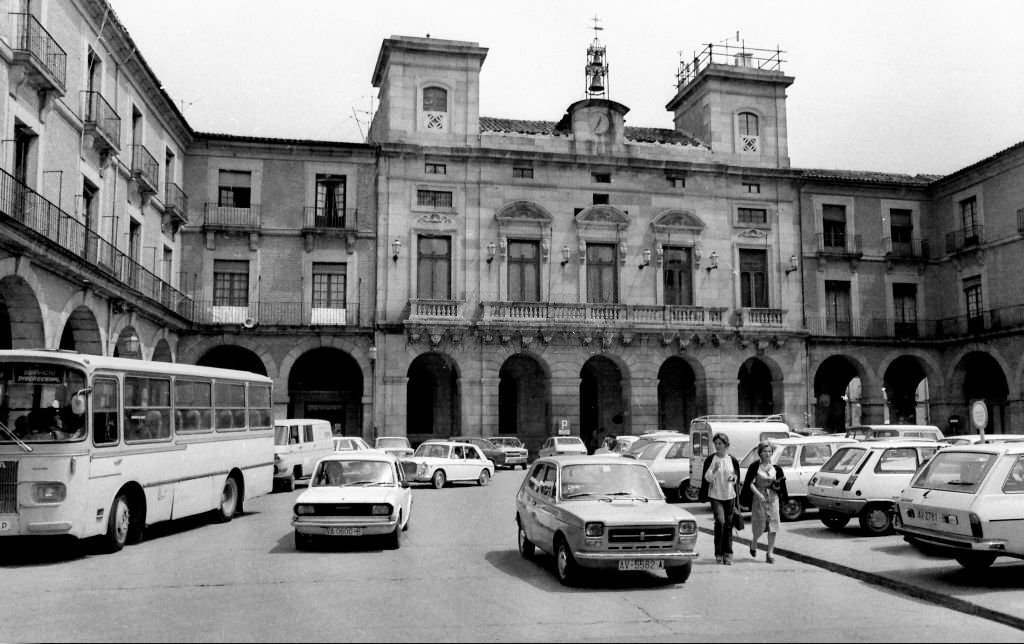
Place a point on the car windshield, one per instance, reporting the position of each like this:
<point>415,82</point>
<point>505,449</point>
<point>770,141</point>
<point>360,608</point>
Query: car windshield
<point>613,479</point>
<point>843,461</point>
<point>353,473</point>
<point>483,443</point>
<point>955,472</point>
<point>508,442</point>
<point>432,450</point>
<point>392,442</point>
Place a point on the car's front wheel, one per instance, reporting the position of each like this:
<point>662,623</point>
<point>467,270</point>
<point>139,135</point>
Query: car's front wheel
<point>394,540</point>
<point>565,563</point>
<point>679,574</point>
<point>976,560</point>
<point>438,479</point>
<point>526,547</point>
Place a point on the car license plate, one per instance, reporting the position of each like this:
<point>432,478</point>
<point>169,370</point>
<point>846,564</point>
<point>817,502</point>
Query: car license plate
<point>927,515</point>
<point>344,532</point>
<point>5,526</point>
<point>641,564</point>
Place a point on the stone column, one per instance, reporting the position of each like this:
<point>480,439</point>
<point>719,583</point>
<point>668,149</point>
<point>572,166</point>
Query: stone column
<point>490,410</point>
<point>565,403</point>
<point>643,406</point>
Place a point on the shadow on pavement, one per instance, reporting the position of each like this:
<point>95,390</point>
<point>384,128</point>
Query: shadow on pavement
<point>539,571</point>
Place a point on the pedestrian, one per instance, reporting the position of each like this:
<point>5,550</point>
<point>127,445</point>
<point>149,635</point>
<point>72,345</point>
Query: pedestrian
<point>607,446</point>
<point>764,489</point>
<point>720,486</point>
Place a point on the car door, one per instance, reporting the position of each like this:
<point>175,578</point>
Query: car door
<point>404,492</point>
<point>475,462</point>
<point>530,500</point>
<point>547,512</point>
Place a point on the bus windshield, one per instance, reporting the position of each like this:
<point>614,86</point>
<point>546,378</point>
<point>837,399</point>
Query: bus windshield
<point>35,402</point>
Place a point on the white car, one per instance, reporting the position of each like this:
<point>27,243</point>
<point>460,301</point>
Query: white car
<point>973,439</point>
<point>560,445</point>
<point>397,445</point>
<point>968,503</point>
<point>800,459</point>
<point>441,462</point>
<point>350,444</point>
<point>863,480</point>
<point>668,460</point>
<point>354,494</point>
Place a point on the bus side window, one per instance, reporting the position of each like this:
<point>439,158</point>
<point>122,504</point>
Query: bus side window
<point>105,417</point>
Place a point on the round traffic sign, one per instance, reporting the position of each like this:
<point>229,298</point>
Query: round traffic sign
<point>979,414</point>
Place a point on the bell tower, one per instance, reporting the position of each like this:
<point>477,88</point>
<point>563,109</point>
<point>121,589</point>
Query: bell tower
<point>597,118</point>
<point>596,72</point>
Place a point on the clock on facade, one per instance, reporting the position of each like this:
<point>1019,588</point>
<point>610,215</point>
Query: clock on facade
<point>599,123</point>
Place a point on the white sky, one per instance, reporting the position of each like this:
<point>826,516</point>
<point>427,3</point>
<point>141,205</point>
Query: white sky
<point>923,86</point>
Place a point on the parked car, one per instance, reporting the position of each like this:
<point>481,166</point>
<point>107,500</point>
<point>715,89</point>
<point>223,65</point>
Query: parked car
<point>298,444</point>
<point>555,445</point>
<point>354,494</point>
<point>973,439</point>
<point>441,462</point>
<point>812,431</point>
<point>515,452</point>
<point>350,444</point>
<point>888,432</point>
<point>967,503</point>
<point>397,445</point>
<point>668,458</point>
<point>863,479</point>
<point>605,513</point>
<point>490,450</point>
<point>643,440</point>
<point>800,459</point>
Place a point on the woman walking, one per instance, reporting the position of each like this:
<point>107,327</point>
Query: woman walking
<point>765,487</point>
<point>719,485</point>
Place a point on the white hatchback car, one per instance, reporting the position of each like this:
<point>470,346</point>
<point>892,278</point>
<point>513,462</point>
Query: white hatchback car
<point>968,503</point>
<point>800,459</point>
<point>863,480</point>
<point>561,445</point>
<point>440,462</point>
<point>668,460</point>
<point>354,494</point>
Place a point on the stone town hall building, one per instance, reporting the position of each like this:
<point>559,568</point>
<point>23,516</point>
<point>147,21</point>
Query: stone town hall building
<point>461,273</point>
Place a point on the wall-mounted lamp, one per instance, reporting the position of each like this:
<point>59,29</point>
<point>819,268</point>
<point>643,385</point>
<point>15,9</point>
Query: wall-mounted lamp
<point>646,261</point>
<point>372,354</point>
<point>396,246</point>
<point>712,261</point>
<point>697,256</point>
<point>794,264</point>
<point>566,252</point>
<point>492,248</point>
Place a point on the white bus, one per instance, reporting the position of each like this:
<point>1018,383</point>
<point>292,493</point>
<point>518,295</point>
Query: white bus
<point>99,446</point>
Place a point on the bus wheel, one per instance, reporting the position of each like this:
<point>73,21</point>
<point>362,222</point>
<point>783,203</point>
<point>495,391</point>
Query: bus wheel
<point>228,500</point>
<point>118,523</point>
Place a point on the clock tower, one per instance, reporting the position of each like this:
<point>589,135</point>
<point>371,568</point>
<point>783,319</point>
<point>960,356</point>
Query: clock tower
<point>597,118</point>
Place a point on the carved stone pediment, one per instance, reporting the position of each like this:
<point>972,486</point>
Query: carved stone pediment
<point>523,212</point>
<point>676,220</point>
<point>435,218</point>
<point>602,216</point>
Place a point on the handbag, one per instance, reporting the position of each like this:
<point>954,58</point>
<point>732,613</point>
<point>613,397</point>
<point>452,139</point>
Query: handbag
<point>737,518</point>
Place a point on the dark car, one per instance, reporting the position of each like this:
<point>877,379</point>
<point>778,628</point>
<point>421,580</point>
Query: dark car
<point>490,450</point>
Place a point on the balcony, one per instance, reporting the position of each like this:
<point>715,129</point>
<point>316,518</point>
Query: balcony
<point>101,124</point>
<point>272,313</point>
<point>35,51</point>
<point>175,207</point>
<point>436,311</point>
<point>840,245</point>
<point>760,317</point>
<point>219,217</point>
<point>625,315</point>
<point>912,250</point>
<point>145,170</point>
<point>992,320</point>
<point>337,222</point>
<point>23,206</point>
<point>965,239</point>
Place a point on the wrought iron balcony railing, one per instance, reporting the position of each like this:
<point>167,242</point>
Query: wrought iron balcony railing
<point>176,202</point>
<point>915,248</point>
<point>839,244</point>
<point>316,218</point>
<point>217,216</point>
<point>662,316</point>
<point>34,47</point>
<point>100,118</point>
<point>965,238</point>
<point>30,209</point>
<point>269,312</point>
<point>145,169</point>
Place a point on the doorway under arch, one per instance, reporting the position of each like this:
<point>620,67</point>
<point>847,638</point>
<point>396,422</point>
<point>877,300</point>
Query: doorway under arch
<point>327,383</point>
<point>755,394</point>
<point>524,400</point>
<point>677,395</point>
<point>433,399</point>
<point>602,405</point>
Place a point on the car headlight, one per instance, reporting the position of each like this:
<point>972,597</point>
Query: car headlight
<point>687,528</point>
<point>593,529</point>
<point>305,509</point>
<point>49,492</point>
<point>381,509</point>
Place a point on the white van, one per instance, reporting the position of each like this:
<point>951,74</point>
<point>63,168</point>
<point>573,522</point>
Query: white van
<point>744,432</point>
<point>298,444</point>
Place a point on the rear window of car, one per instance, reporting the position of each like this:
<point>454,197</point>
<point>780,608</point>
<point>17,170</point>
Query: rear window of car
<point>955,472</point>
<point>1014,483</point>
<point>844,461</point>
<point>651,451</point>
<point>787,456</point>
<point>572,440</point>
<point>815,455</point>
<point>897,460</point>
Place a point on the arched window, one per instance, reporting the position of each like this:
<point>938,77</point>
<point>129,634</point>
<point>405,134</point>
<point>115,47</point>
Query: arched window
<point>748,124</point>
<point>749,132</point>
<point>435,108</point>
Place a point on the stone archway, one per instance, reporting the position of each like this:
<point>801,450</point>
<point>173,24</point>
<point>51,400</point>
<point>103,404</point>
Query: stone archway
<point>837,394</point>
<point>755,394</point>
<point>128,344</point>
<point>230,356</point>
<point>906,391</point>
<point>524,400</point>
<point>979,376</point>
<point>677,395</point>
<point>433,397</point>
<point>602,405</point>
<point>82,332</point>
<point>327,383</point>
<point>21,319</point>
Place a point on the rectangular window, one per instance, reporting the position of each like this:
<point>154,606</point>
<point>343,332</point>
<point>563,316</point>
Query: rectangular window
<point>524,271</point>
<point>752,188</point>
<point>330,200</point>
<point>678,276</point>
<point>434,268</point>
<point>329,285</point>
<point>435,168</point>
<point>752,216</point>
<point>753,279</point>
<point>193,403</point>
<point>522,172</point>
<point>600,199</point>
<point>837,308</point>
<point>229,405</point>
<point>260,415</point>
<point>901,231</point>
<point>147,408</point>
<point>904,305</point>
<point>972,300</point>
<point>234,189</point>
<point>105,412</point>
<point>230,283</point>
<point>601,177</point>
<point>602,274</point>
<point>676,181</point>
<point>969,221</point>
<point>833,226</point>
<point>434,198</point>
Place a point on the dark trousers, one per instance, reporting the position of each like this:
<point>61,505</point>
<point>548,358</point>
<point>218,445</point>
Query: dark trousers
<point>723,511</point>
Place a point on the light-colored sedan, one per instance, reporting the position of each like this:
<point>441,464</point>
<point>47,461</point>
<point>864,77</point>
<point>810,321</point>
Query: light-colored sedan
<point>350,444</point>
<point>397,445</point>
<point>556,445</point>
<point>667,458</point>
<point>354,494</point>
<point>441,462</point>
<point>602,512</point>
<point>967,503</point>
